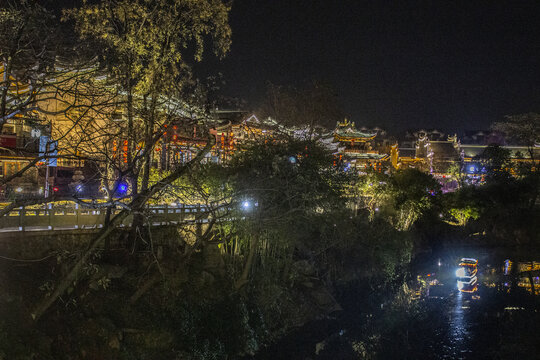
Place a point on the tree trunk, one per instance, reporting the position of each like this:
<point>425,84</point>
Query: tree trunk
<point>153,280</point>
<point>72,275</point>
<point>138,202</point>
<point>106,223</point>
<point>138,218</point>
<point>249,262</point>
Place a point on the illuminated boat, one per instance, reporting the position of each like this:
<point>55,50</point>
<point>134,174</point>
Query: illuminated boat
<point>468,285</point>
<point>466,275</point>
<point>467,268</point>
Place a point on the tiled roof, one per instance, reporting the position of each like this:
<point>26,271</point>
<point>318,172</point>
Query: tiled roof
<point>407,152</point>
<point>352,133</point>
<point>367,156</point>
<point>444,150</point>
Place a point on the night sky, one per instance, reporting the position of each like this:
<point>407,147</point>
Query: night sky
<point>396,64</point>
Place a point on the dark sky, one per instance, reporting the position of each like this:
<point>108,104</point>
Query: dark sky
<point>397,64</point>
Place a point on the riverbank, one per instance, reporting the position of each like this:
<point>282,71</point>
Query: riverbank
<point>490,324</point>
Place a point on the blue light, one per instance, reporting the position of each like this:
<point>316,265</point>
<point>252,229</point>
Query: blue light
<point>79,188</point>
<point>122,188</point>
<point>471,169</point>
<point>292,159</point>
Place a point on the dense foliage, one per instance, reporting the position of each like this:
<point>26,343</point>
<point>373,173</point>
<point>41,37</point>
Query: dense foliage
<point>288,237</point>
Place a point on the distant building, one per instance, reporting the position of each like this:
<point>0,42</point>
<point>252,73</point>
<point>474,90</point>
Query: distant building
<point>411,136</point>
<point>234,131</point>
<point>180,143</point>
<point>417,149</point>
<point>360,148</point>
<point>482,137</point>
<point>449,157</point>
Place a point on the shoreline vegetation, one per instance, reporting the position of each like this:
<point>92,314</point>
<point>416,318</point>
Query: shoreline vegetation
<point>186,294</point>
<point>293,236</point>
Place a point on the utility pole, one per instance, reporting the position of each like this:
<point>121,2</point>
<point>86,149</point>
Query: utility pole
<point>47,179</point>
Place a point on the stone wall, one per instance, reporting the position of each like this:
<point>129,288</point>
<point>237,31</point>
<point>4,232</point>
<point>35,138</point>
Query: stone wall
<point>38,244</point>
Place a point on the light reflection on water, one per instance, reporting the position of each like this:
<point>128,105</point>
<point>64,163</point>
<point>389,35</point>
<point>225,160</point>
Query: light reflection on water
<point>454,340</point>
<point>458,326</point>
<point>464,336</point>
<point>455,345</point>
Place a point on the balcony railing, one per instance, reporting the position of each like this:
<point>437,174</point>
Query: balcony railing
<point>75,217</point>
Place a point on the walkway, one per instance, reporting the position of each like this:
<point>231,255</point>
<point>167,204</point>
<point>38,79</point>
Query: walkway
<point>54,218</point>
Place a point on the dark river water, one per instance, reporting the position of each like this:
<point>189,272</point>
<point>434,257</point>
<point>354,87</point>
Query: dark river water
<point>492,323</point>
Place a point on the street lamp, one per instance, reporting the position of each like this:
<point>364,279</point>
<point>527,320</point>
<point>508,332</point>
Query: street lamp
<point>248,205</point>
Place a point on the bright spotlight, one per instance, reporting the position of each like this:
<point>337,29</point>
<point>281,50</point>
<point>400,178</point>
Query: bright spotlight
<point>245,204</point>
<point>460,285</point>
<point>460,272</point>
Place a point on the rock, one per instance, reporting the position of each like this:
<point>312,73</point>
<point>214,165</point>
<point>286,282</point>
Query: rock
<point>323,299</point>
<point>319,347</point>
<point>114,342</point>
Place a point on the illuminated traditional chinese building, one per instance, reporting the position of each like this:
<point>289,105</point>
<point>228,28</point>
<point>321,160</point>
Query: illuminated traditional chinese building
<point>525,273</point>
<point>80,124</point>
<point>449,158</point>
<point>181,142</point>
<point>19,142</point>
<point>359,149</point>
<point>430,151</point>
<point>519,154</point>
<point>416,151</point>
<point>227,132</point>
<point>184,139</point>
<point>242,129</point>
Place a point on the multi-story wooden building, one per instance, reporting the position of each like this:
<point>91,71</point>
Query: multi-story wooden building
<point>19,142</point>
<point>360,149</point>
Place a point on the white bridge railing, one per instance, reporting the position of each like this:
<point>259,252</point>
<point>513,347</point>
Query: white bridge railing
<point>76,217</point>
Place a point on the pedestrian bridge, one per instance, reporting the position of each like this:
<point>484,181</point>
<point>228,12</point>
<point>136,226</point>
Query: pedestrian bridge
<point>70,217</point>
